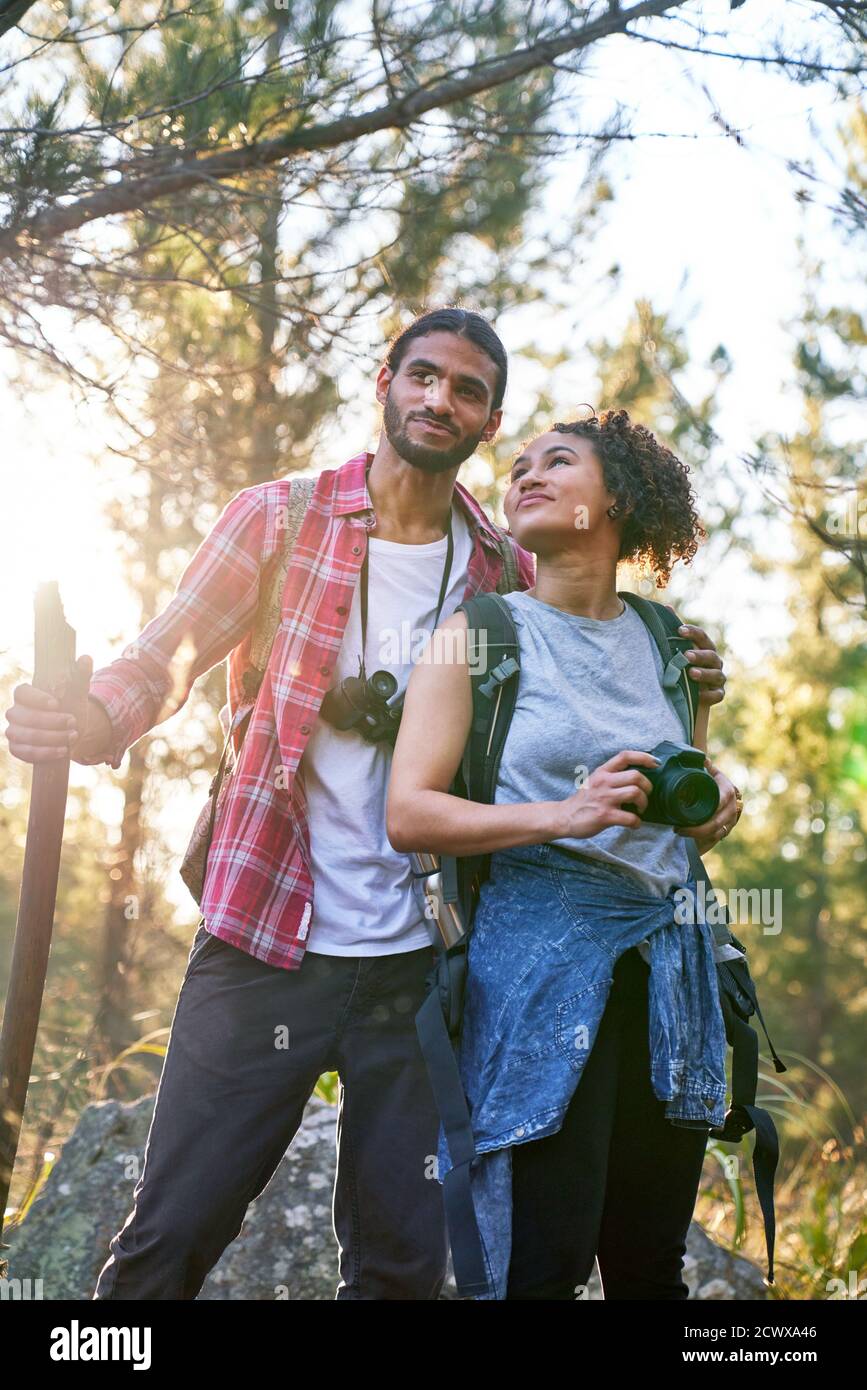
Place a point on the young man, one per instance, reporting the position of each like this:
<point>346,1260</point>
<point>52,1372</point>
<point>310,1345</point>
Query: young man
<point>311,923</point>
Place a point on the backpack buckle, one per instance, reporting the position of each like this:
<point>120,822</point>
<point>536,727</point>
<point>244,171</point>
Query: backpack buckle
<point>671,674</point>
<point>501,673</point>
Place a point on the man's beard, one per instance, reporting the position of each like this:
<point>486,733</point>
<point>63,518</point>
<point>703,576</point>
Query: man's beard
<point>420,455</point>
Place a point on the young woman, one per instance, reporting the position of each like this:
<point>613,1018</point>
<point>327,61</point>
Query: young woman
<point>593,1045</point>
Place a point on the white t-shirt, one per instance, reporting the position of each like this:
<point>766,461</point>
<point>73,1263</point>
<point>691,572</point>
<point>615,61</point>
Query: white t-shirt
<point>365,902</point>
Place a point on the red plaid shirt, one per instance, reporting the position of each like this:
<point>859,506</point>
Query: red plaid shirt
<point>259,889</point>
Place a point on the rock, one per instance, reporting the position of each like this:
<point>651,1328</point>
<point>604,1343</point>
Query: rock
<point>710,1273</point>
<point>715,1275</point>
<point>286,1248</point>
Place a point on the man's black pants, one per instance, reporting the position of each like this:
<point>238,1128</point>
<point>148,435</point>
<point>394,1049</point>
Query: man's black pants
<point>231,1097</point>
<point>618,1180</point>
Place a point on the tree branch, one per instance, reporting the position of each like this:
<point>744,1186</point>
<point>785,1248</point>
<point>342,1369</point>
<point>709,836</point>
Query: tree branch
<point>128,195</point>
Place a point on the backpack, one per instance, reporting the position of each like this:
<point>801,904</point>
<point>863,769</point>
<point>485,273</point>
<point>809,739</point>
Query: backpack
<point>438,1022</point>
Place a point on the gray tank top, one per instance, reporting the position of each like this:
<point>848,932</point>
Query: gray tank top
<point>587,688</point>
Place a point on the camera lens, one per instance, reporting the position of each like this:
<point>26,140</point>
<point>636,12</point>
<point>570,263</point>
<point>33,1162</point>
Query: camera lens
<point>690,796</point>
<point>383,683</point>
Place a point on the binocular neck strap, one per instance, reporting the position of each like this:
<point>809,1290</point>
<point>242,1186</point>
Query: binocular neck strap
<point>447,569</point>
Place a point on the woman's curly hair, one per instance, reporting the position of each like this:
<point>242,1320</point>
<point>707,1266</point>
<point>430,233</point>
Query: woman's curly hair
<point>651,483</point>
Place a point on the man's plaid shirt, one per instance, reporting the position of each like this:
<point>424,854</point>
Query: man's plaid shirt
<point>259,889</point>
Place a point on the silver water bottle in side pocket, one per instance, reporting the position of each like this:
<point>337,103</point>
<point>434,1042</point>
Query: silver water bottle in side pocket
<point>444,919</point>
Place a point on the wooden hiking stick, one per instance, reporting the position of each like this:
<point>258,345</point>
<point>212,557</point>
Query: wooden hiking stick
<point>55,672</point>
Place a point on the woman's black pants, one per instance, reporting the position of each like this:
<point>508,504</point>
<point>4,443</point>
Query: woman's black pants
<point>617,1182</point>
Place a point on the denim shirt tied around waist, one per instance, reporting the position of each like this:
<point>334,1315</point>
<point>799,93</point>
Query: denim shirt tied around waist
<point>548,930</point>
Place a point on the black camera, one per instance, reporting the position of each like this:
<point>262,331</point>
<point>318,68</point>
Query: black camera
<point>684,793</point>
<point>362,704</point>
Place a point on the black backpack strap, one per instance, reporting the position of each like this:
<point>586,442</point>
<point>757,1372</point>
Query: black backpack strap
<point>738,1001</point>
<point>495,660</point>
<point>468,1260</point>
<point>736,976</point>
<point>662,623</point>
<point>494,665</point>
<point>743,1114</point>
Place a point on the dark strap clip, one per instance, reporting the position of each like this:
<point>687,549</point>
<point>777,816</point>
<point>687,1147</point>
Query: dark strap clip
<point>736,1124</point>
<point>501,673</point>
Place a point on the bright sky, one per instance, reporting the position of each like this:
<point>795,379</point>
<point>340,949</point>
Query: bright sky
<point>706,229</point>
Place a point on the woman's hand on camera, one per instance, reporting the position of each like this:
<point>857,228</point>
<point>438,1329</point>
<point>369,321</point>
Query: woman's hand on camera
<point>599,802</point>
<point>724,819</point>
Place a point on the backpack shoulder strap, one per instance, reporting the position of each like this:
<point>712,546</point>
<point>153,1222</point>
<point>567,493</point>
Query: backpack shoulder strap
<point>494,660</point>
<point>270,607</point>
<point>662,623</point>
<point>494,663</point>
